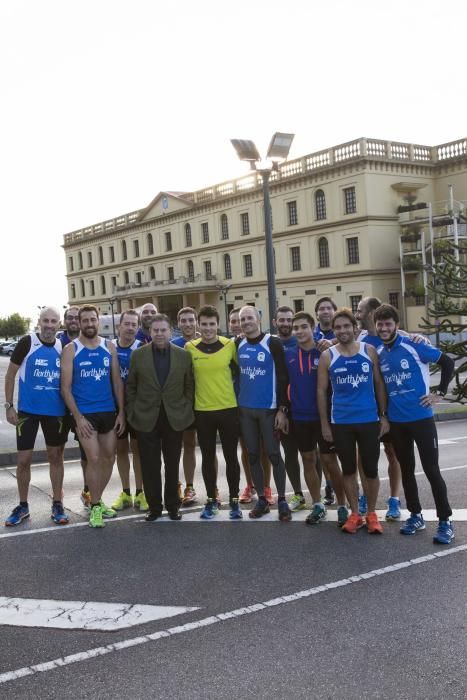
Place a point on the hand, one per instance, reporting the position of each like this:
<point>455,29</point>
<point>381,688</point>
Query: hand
<point>120,423</point>
<point>418,338</point>
<point>385,427</point>
<point>12,416</point>
<point>281,423</point>
<point>323,344</point>
<point>327,432</point>
<point>84,428</point>
<point>430,399</point>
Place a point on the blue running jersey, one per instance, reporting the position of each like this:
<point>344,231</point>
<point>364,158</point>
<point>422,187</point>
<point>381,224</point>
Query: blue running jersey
<point>39,380</point>
<point>302,366</point>
<point>124,355</point>
<point>374,340</point>
<point>353,394</point>
<point>92,380</point>
<point>319,334</point>
<point>179,341</point>
<point>289,343</point>
<point>257,382</point>
<point>405,369</point>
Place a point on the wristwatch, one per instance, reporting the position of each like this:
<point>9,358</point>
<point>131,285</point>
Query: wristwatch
<point>7,405</point>
<point>384,414</point>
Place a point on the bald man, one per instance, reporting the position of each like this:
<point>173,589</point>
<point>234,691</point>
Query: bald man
<point>37,357</point>
<point>148,311</point>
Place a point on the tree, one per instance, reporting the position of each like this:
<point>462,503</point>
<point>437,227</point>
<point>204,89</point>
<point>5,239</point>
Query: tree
<point>14,325</point>
<point>447,304</point>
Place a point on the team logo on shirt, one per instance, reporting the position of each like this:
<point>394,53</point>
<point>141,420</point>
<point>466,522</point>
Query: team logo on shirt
<point>106,361</point>
<point>57,362</point>
<point>365,367</point>
<point>261,357</point>
<point>404,364</point>
<point>41,363</point>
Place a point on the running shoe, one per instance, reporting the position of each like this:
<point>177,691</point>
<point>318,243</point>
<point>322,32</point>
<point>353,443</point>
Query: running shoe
<point>235,510</point>
<point>246,494</point>
<point>354,523</point>
<point>362,505</point>
<point>122,502</point>
<point>107,512</point>
<point>260,508</point>
<point>373,525</point>
<point>297,502</point>
<point>329,496</point>
<point>318,513</point>
<point>139,502</point>
<point>342,515</point>
<point>58,515</point>
<point>189,496</point>
<point>285,514</point>
<point>85,497</point>
<point>17,516</point>
<point>394,509</point>
<point>414,523</point>
<point>268,495</point>
<point>95,517</point>
<point>209,510</point>
<point>444,533</point>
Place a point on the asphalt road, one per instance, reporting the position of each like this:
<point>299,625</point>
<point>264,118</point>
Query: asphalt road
<point>283,609</point>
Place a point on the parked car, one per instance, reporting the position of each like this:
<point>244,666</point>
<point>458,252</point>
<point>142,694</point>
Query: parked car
<point>7,348</point>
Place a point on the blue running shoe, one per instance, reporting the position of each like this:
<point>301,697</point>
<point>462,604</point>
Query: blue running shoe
<point>394,509</point>
<point>17,516</point>
<point>209,510</point>
<point>318,513</point>
<point>58,514</point>
<point>362,505</point>
<point>413,524</point>
<point>235,510</point>
<point>444,533</point>
<point>285,514</point>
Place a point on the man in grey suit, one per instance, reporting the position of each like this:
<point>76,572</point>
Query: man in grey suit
<point>159,406</point>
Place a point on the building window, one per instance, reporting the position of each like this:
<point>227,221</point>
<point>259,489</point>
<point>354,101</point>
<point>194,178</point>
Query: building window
<point>100,253</point>
<point>247,266</point>
<point>70,263</point>
<point>188,241</point>
<point>190,271</point>
<point>92,289</point>
<point>168,240</point>
<point>89,258</point>
<point>80,262</point>
<point>124,251</point>
<point>353,256</point>
<point>171,273</point>
<point>136,248</point>
<point>393,299</point>
<point>295,262</point>
<point>350,200</point>
<point>245,219</point>
<point>204,232</point>
<point>320,205</point>
<point>73,291</point>
<point>150,244</point>
<point>81,284</point>
<point>292,213</point>
<point>323,252</point>
<point>227,267</point>
<point>152,273</point>
<point>111,254</point>
<point>224,227</point>
<point>102,284</point>
<point>298,305</point>
<point>354,300</point>
<point>208,269</point>
<point>126,277</point>
<point>139,278</point>
<point>114,283</point>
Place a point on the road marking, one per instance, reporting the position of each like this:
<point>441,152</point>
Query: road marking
<point>222,617</point>
<point>76,614</point>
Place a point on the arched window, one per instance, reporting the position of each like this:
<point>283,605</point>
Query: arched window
<point>152,273</point>
<point>227,267</point>
<point>150,244</point>
<point>81,285</point>
<point>102,284</point>
<point>323,252</point>
<point>188,242</point>
<point>224,227</point>
<point>190,268</point>
<point>320,205</point>
<point>124,251</point>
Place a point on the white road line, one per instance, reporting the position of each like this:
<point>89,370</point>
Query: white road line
<point>221,617</point>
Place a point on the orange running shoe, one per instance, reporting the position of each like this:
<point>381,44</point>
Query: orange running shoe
<point>353,523</point>
<point>373,525</point>
<point>246,494</point>
<point>268,495</point>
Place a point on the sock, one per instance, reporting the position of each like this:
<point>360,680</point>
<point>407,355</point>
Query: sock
<point>280,498</point>
<point>137,492</point>
<point>127,491</point>
<point>58,503</point>
<point>86,488</point>
<point>23,504</point>
<point>299,493</point>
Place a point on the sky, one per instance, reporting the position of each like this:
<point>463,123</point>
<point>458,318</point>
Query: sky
<point>106,103</point>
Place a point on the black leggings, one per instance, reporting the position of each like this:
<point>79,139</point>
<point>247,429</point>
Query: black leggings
<point>346,438</point>
<point>423,433</point>
<point>227,423</point>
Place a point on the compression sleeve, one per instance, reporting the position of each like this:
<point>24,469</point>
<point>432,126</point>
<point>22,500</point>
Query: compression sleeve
<point>21,350</point>
<point>447,369</point>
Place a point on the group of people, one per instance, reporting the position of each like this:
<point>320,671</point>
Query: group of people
<point>328,392</point>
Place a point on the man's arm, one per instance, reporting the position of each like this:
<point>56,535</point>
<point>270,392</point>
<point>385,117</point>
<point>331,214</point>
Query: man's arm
<point>189,389</point>
<point>380,390</point>
<point>447,368</point>
<point>11,414</point>
<point>322,395</point>
<point>117,389</point>
<point>83,428</point>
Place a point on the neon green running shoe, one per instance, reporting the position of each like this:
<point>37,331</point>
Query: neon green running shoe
<point>122,502</point>
<point>95,517</point>
<point>297,502</point>
<point>139,502</point>
<point>106,511</point>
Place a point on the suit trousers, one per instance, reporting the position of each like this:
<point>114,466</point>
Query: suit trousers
<point>160,442</point>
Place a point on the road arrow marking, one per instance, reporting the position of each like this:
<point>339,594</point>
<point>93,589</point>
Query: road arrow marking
<point>75,614</point>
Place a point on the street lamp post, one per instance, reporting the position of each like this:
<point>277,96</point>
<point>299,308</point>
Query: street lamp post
<point>278,151</point>
<point>224,288</point>
<point>112,301</point>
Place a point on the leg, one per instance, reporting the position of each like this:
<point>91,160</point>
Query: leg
<point>369,450</point>
<point>331,466</point>
<point>312,479</point>
<point>272,447</point>
<point>23,473</point>
<point>189,455</point>
<point>123,462</point>
<point>426,438</point>
<point>206,426</point>
<point>149,445</point>
<point>266,465</point>
<point>394,471</point>
<point>93,467</point>
<point>171,443</point>
<point>229,430</point>
<point>292,465</point>
<point>55,457</point>
<point>403,444</point>
<point>251,436</point>
<point>136,464</point>
<point>346,447</point>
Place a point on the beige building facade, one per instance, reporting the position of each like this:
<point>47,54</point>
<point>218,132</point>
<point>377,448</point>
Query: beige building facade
<point>337,232</point>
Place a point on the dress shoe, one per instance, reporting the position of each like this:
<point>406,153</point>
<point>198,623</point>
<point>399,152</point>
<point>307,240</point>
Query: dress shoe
<point>175,515</point>
<point>152,516</point>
